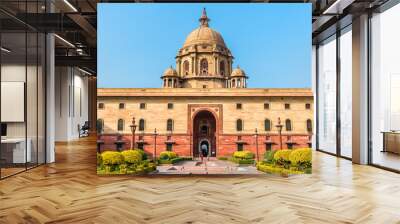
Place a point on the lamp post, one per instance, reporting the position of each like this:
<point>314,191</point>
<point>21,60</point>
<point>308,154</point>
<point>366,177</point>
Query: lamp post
<point>256,135</point>
<point>133,129</point>
<point>155,145</point>
<point>280,126</point>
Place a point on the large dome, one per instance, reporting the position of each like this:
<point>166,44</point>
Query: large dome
<point>204,34</point>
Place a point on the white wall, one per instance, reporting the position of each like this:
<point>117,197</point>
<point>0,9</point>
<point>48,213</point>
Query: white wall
<point>71,102</point>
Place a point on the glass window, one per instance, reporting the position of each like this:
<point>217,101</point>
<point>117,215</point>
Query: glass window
<point>309,125</point>
<point>170,125</point>
<point>346,92</point>
<point>141,125</point>
<point>101,106</point>
<point>170,106</point>
<point>204,66</point>
<point>287,106</point>
<point>267,125</point>
<point>120,124</point>
<point>238,106</point>
<point>169,147</point>
<point>327,95</point>
<point>142,106</point>
<point>121,106</point>
<point>308,106</point>
<point>288,125</point>
<point>240,147</point>
<point>100,125</point>
<point>266,106</point>
<point>385,88</point>
<point>239,125</point>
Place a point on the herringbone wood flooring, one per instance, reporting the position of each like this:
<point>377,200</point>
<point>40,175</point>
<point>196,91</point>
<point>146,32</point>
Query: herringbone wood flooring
<point>69,191</point>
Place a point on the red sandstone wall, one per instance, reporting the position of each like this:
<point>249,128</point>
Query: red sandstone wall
<point>226,143</point>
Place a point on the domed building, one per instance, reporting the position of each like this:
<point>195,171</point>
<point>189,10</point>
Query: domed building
<point>204,100</point>
<point>204,61</point>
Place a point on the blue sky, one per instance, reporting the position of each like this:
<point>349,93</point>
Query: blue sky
<point>270,42</point>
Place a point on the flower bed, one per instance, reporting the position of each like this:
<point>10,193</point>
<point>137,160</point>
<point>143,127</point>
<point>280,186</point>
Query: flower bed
<point>125,162</point>
<point>286,161</point>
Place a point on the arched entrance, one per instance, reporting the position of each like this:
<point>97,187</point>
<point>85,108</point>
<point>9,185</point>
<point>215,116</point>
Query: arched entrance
<point>204,132</point>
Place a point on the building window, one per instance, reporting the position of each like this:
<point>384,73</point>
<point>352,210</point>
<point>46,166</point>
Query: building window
<point>169,147</point>
<point>170,125</point>
<point>120,125</point>
<point>222,68</point>
<point>309,125</point>
<point>100,125</point>
<point>121,106</point>
<point>287,106</point>
<point>169,82</point>
<point>308,106</point>
<point>239,125</point>
<point>267,125</point>
<point>204,86</point>
<point>288,125</point>
<point>142,106</point>
<point>266,106</point>
<point>290,146</point>
<point>170,106</point>
<point>204,66</point>
<point>238,106</point>
<point>233,83</point>
<point>240,147</point>
<point>186,67</point>
<point>101,106</point>
<point>141,124</point>
<point>268,147</point>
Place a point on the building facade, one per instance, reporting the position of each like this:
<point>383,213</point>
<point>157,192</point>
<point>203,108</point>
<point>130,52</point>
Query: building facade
<point>205,101</point>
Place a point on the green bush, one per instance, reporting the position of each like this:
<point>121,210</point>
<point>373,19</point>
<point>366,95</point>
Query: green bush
<point>132,156</point>
<point>112,158</point>
<point>301,157</point>
<point>168,155</point>
<point>269,168</point>
<point>144,155</point>
<point>269,156</point>
<point>243,154</point>
<point>223,158</point>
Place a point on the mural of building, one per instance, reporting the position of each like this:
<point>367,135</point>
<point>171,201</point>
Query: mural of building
<point>206,101</point>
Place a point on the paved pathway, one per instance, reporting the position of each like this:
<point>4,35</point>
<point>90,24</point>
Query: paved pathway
<point>207,167</point>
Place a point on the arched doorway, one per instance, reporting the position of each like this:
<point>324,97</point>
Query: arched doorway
<point>204,132</point>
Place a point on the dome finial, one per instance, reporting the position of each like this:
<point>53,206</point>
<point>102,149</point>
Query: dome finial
<point>204,19</point>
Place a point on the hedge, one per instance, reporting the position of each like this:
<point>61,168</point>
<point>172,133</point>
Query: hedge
<point>126,162</point>
<point>243,155</point>
<point>168,155</point>
<point>241,161</point>
<point>132,156</point>
<point>112,158</point>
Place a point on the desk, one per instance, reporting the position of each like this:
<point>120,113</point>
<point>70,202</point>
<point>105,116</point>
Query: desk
<point>16,147</point>
<point>391,142</point>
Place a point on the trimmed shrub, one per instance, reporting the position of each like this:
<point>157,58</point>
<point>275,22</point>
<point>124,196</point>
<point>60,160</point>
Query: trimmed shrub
<point>268,168</point>
<point>301,157</point>
<point>112,158</point>
<point>223,158</point>
<point>176,160</point>
<point>243,155</point>
<point>168,155</point>
<point>282,157</point>
<point>144,155</point>
<point>132,156</point>
<point>269,156</point>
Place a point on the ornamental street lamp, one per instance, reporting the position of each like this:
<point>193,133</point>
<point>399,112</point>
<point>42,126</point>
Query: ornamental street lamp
<point>133,129</point>
<point>256,135</point>
<point>280,126</point>
<point>155,145</point>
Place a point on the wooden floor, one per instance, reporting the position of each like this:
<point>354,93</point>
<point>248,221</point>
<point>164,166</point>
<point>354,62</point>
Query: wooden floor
<point>69,191</point>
